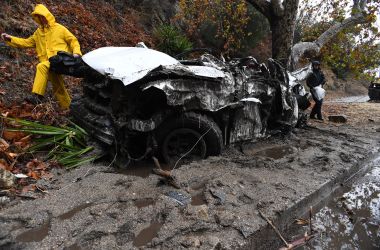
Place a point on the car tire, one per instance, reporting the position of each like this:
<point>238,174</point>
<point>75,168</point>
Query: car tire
<point>197,126</point>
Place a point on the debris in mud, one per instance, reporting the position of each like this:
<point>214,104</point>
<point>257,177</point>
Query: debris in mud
<point>338,118</point>
<point>219,195</point>
<point>275,229</point>
<point>180,198</point>
<point>7,179</point>
<point>168,177</point>
<point>298,242</point>
<point>4,200</point>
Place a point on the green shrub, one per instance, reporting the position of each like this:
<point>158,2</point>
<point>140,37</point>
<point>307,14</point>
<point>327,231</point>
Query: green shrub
<point>170,40</point>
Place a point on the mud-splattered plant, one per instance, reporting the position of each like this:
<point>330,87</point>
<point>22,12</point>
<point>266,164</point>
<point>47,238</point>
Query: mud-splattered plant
<point>66,145</point>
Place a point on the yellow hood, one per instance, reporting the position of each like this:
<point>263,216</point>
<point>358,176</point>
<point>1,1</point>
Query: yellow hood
<point>41,9</point>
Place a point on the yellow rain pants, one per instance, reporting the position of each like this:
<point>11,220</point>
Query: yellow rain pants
<point>48,41</point>
<point>40,82</point>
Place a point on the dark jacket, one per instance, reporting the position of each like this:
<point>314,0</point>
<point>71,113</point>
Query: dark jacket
<point>315,78</point>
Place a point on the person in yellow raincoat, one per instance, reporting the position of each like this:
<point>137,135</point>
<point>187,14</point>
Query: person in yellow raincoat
<point>48,39</point>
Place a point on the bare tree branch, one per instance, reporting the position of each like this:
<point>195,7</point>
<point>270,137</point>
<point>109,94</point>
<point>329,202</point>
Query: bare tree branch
<point>300,49</point>
<point>262,6</point>
<point>336,28</point>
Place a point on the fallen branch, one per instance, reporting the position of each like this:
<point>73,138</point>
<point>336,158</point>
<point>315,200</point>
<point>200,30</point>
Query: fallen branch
<point>298,242</point>
<point>168,177</point>
<point>310,216</point>
<point>275,229</point>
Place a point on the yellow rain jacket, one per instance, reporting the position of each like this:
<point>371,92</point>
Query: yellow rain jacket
<point>48,41</point>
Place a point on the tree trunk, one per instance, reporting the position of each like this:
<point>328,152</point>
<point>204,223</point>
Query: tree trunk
<point>282,39</point>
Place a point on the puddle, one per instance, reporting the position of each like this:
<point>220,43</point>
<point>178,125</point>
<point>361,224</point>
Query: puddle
<point>141,169</point>
<point>144,202</point>
<point>74,211</point>
<point>198,199</point>
<point>276,152</point>
<point>352,220</point>
<point>35,234</point>
<point>147,234</point>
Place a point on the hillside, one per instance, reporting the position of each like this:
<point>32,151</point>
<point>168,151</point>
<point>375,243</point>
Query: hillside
<point>95,24</point>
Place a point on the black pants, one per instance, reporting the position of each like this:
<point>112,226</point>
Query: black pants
<point>317,109</point>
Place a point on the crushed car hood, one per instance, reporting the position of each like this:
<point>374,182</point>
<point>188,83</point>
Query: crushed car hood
<point>130,64</point>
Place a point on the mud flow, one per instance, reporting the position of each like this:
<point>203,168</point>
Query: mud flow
<point>351,219</point>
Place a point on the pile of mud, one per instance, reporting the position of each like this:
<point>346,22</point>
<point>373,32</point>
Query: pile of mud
<point>217,206</point>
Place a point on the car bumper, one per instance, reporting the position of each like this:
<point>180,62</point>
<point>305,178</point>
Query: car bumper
<point>97,125</point>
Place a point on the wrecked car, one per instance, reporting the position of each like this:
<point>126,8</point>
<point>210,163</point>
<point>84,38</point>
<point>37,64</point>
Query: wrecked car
<point>138,102</point>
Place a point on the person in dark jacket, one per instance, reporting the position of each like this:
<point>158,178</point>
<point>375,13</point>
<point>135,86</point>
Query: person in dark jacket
<point>315,82</point>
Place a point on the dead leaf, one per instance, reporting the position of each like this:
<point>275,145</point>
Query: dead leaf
<point>13,155</point>
<point>2,92</point>
<point>13,135</point>
<point>301,221</point>
<point>28,188</point>
<point>3,144</point>
<point>33,175</point>
<point>4,165</point>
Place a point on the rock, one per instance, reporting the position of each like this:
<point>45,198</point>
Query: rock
<point>225,218</point>
<point>199,213</point>
<point>181,198</point>
<point>191,242</point>
<point>246,230</point>
<point>212,242</point>
<point>202,212</point>
<point>4,200</point>
<point>338,118</point>
<point>219,195</point>
<point>7,179</point>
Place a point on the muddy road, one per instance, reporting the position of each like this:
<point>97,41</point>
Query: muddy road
<point>351,218</point>
<point>99,207</point>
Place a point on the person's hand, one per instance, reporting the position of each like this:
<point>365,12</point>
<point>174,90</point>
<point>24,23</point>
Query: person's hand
<point>6,37</point>
<point>76,55</point>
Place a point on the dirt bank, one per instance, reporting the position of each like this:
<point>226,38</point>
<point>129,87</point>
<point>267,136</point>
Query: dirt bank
<point>217,206</point>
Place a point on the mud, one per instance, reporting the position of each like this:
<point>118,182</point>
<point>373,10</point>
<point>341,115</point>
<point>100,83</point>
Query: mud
<point>97,207</point>
<point>352,218</point>
<point>35,234</point>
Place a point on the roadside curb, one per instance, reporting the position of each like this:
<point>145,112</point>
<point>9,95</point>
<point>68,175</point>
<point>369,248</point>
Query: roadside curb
<point>265,238</point>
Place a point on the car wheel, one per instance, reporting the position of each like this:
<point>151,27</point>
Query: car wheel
<point>190,137</point>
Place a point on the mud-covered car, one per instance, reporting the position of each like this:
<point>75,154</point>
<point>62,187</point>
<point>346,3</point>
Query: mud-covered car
<point>374,91</point>
<point>140,101</point>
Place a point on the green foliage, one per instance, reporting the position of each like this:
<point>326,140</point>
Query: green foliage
<point>170,40</point>
<point>353,51</point>
<point>226,20</point>
<point>66,145</point>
